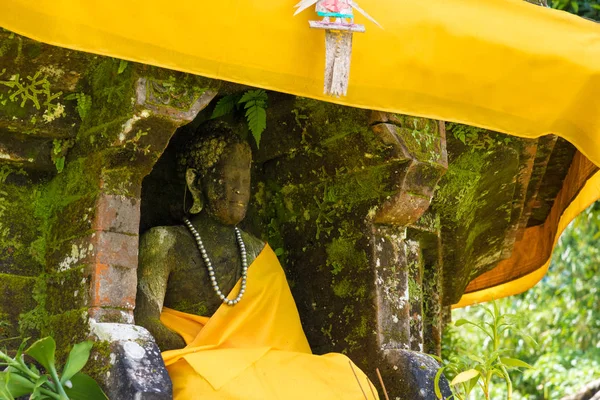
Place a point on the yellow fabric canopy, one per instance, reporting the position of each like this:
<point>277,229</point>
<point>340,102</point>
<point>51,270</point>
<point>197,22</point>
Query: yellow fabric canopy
<point>257,350</point>
<point>505,65</point>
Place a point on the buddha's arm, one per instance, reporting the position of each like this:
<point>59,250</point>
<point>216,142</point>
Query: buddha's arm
<point>153,275</point>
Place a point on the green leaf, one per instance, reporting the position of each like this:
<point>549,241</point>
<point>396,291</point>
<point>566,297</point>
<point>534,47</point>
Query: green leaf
<point>464,376</point>
<point>60,164</point>
<point>476,359</point>
<point>256,95</point>
<point>83,387</point>
<point>225,106</point>
<point>36,393</point>
<point>77,359</point>
<point>436,383</point>
<point>575,6</point>
<point>43,352</point>
<point>515,363</point>
<point>257,119</point>
<point>21,348</point>
<point>15,384</point>
<point>4,392</point>
<point>122,66</point>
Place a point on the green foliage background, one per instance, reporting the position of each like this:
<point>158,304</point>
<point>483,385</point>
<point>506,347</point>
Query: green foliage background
<point>585,8</point>
<point>562,313</point>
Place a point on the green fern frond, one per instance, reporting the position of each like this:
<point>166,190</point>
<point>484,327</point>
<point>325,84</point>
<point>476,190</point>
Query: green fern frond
<point>256,95</point>
<point>225,106</point>
<point>255,103</point>
<point>256,115</point>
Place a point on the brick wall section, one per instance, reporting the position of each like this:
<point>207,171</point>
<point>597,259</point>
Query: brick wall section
<point>114,276</point>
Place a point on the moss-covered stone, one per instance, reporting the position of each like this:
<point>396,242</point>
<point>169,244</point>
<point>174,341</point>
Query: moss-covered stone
<point>18,291</point>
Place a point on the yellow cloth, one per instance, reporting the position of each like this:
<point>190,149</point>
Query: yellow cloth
<point>505,65</point>
<point>257,350</point>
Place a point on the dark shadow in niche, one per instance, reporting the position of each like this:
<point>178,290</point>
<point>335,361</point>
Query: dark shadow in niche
<point>163,188</point>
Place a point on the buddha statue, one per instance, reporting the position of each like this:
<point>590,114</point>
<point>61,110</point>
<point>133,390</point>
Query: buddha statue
<point>172,271</point>
<point>217,301</point>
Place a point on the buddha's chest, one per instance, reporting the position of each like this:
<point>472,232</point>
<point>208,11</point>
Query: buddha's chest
<point>189,288</point>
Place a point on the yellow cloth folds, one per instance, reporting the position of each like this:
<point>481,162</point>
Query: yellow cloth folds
<point>257,349</point>
<point>505,65</point>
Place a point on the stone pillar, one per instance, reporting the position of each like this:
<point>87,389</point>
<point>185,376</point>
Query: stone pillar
<point>337,189</point>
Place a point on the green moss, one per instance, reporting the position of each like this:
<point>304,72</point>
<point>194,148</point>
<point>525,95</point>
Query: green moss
<point>342,253</point>
<point>99,363</point>
<point>35,322</point>
<point>345,288</point>
<point>421,136</point>
<point>415,290</point>
<point>17,222</point>
<point>66,329</point>
<point>457,197</point>
<point>193,308</point>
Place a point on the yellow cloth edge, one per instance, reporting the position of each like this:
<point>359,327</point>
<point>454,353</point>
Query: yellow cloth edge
<point>588,195</point>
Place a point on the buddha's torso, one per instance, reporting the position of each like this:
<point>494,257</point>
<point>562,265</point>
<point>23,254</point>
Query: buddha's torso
<point>189,288</point>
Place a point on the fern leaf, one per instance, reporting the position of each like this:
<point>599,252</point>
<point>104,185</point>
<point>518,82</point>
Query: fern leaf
<point>122,66</point>
<point>256,95</point>
<point>256,115</point>
<point>225,106</point>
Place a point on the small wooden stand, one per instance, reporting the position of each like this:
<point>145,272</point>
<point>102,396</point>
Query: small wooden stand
<point>338,51</point>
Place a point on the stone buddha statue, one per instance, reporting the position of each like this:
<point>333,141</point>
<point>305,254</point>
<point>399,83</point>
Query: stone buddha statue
<point>217,300</point>
<point>192,267</point>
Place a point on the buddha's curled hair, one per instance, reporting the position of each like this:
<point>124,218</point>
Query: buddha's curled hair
<point>206,146</point>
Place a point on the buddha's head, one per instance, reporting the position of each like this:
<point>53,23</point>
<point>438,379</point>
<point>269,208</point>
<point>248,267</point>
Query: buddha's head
<point>217,173</point>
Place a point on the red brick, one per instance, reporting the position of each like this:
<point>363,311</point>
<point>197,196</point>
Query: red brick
<point>113,286</point>
<point>116,249</point>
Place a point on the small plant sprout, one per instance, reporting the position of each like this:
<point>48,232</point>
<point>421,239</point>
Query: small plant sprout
<point>477,369</point>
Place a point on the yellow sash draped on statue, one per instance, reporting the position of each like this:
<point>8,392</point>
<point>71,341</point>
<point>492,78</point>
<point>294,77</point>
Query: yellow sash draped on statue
<point>257,349</point>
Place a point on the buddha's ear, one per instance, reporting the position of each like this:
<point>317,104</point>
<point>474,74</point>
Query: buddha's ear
<point>193,185</point>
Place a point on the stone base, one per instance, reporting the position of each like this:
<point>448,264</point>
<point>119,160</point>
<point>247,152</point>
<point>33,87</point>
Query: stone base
<point>137,370</point>
<point>415,374</point>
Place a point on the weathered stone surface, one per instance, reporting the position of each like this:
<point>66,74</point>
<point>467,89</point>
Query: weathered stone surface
<point>113,248</point>
<point>118,214</point>
<point>136,368</point>
<point>414,376</point>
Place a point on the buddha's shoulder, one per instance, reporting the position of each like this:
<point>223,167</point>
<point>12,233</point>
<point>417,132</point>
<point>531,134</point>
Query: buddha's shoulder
<point>161,239</point>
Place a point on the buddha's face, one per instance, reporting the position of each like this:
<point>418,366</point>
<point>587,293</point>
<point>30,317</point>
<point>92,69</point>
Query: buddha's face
<point>226,187</point>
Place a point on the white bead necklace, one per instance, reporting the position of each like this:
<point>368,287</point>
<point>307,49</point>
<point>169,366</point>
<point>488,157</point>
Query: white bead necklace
<point>211,270</point>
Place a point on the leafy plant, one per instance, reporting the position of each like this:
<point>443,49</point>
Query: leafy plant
<point>255,104</point>
<point>59,152</point>
<point>84,103</point>
<point>21,379</point>
<point>585,8</point>
<point>471,370</point>
<point>561,312</point>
